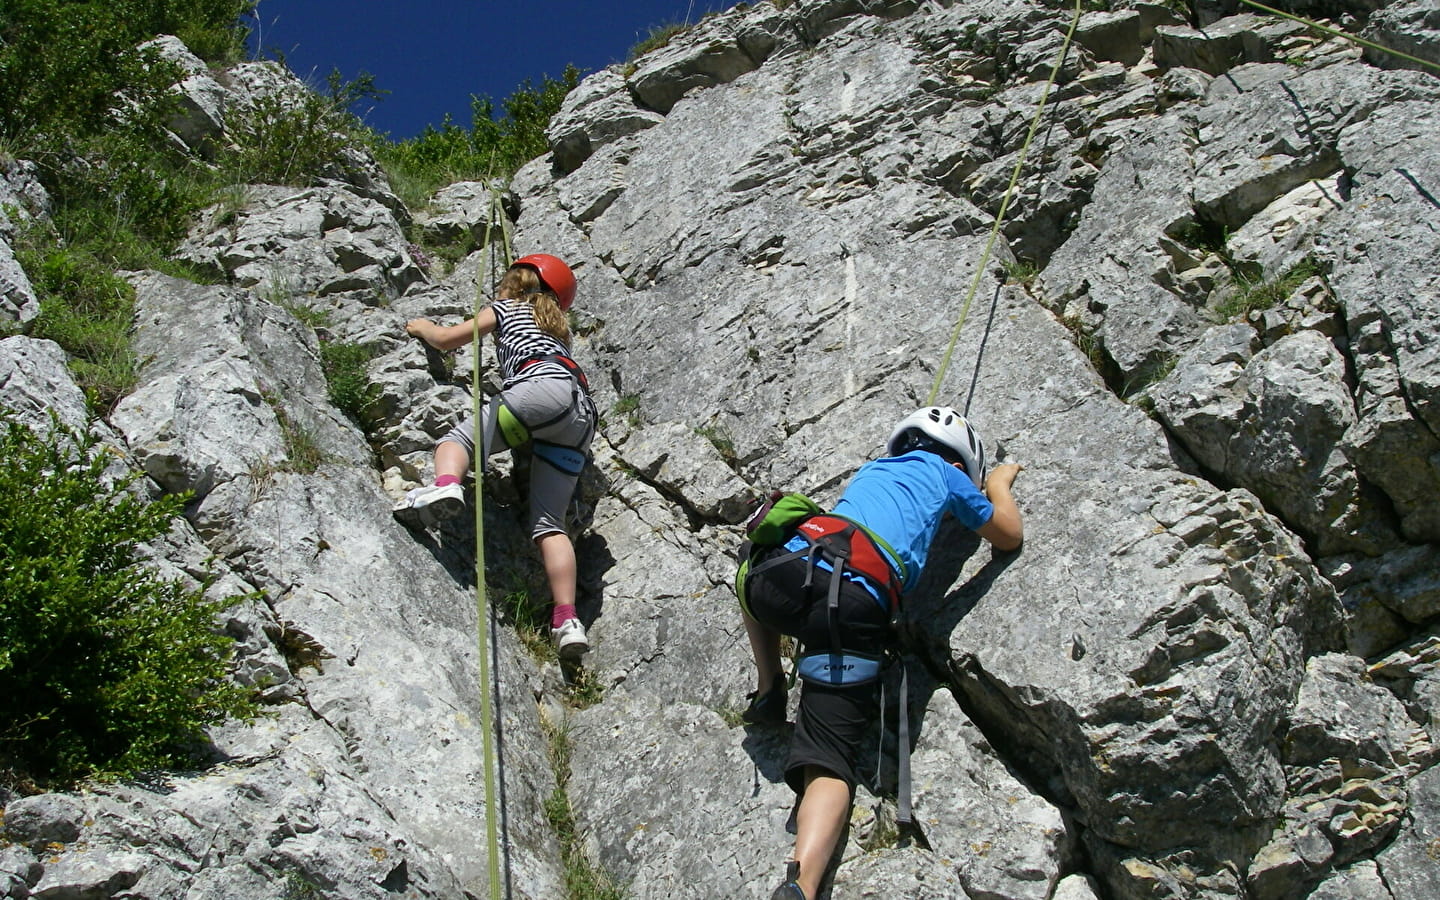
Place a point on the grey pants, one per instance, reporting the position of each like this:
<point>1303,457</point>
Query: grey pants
<point>557,419</point>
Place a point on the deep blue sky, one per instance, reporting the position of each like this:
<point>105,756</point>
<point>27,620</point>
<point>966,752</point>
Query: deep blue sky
<point>433,54</point>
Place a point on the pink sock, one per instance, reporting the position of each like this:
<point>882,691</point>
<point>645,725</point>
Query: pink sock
<point>559,614</point>
<point>443,480</point>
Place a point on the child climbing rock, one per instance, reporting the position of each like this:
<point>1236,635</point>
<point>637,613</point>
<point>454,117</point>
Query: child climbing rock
<point>886,519</point>
<point>543,401</point>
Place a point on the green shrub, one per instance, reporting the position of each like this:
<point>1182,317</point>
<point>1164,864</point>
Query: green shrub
<point>493,146</point>
<point>296,138</point>
<point>86,309</point>
<point>105,666</point>
<point>348,385</point>
<point>62,62</point>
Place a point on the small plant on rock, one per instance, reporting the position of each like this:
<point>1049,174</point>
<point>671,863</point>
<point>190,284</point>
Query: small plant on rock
<point>347,383</point>
<point>1253,296</point>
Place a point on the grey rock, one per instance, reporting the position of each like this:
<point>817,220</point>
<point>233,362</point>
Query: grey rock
<point>198,116</point>
<point>265,87</point>
<point>318,247</point>
<point>1401,583</point>
<point>1112,35</point>
<point>19,871</point>
<point>1211,670</point>
<point>1218,47</point>
<point>712,55</point>
<point>22,200</point>
<point>899,873</point>
<point>1410,26</point>
<point>18,302</point>
<point>1407,866</point>
<point>458,211</point>
<point>1275,423</point>
<point>36,383</point>
<point>1002,838</point>
<point>600,111</point>
<point>44,819</point>
<point>22,197</point>
<point>235,391</point>
<point>684,461</point>
<point>1388,297</point>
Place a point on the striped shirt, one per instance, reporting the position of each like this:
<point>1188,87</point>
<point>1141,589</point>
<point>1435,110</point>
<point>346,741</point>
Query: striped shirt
<point>518,338</point>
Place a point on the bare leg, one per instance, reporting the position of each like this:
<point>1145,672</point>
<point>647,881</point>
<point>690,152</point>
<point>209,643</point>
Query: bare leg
<point>451,459</point>
<point>818,825</point>
<point>765,647</point>
<point>558,556</point>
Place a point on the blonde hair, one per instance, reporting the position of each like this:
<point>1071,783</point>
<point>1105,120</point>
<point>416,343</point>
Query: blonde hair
<point>523,283</point>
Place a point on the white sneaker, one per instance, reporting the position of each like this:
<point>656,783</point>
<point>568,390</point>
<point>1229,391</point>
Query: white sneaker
<point>425,506</point>
<point>570,640</point>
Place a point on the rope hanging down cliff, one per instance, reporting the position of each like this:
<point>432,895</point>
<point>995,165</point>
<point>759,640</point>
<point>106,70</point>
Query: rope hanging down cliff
<point>1034,127</point>
<point>1345,35</point>
<point>1004,207</point>
<point>485,623</point>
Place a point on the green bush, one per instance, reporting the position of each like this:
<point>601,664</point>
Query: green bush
<point>347,383</point>
<point>493,146</point>
<point>106,668</point>
<point>295,139</point>
<point>63,61</point>
<point>86,309</point>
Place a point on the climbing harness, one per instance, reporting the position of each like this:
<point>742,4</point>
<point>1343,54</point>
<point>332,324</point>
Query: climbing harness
<point>836,544</point>
<point>570,364</point>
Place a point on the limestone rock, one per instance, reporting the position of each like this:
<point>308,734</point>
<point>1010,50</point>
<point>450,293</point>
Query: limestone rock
<point>1210,672</point>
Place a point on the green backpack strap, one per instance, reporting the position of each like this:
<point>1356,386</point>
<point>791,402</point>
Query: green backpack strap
<point>773,524</point>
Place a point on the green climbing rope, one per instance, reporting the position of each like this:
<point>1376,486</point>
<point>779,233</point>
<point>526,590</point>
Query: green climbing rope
<point>484,625</point>
<point>1335,32</point>
<point>1004,207</point>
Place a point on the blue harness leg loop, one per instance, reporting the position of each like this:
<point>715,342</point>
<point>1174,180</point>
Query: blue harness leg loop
<point>567,459</point>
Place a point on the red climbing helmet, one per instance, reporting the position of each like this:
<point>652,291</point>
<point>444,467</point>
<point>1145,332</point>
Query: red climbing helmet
<point>554,273</point>
<point>946,427</point>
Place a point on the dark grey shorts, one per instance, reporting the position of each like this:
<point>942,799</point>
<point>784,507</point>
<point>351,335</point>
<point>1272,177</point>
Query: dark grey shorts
<point>560,419</point>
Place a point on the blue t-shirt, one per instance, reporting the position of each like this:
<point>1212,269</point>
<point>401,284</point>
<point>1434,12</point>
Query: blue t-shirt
<point>903,498</point>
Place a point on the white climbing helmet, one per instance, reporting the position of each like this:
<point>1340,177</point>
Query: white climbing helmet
<point>946,427</point>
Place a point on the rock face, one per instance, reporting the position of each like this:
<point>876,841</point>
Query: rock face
<point>1206,328</point>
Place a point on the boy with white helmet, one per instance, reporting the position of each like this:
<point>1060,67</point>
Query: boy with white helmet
<point>935,466</point>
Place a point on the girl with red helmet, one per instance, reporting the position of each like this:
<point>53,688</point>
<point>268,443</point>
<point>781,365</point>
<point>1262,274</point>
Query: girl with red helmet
<point>543,402</point>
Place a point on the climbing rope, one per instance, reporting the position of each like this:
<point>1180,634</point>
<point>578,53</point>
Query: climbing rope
<point>1335,32</point>
<point>1030,136</point>
<point>485,623</point>
<point>1004,207</point>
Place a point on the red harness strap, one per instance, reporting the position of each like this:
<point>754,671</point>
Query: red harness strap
<point>565,361</point>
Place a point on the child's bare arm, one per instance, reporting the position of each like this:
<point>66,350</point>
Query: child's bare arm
<point>450,337</point>
<point>1004,530</point>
